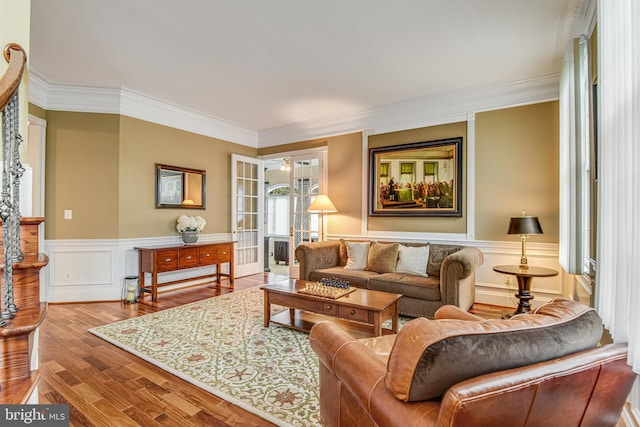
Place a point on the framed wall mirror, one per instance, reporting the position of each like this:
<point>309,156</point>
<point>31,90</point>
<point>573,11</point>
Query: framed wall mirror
<point>178,187</point>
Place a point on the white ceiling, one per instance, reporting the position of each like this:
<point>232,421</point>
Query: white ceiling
<point>264,64</point>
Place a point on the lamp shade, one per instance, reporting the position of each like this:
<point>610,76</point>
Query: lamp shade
<point>322,203</point>
<point>524,225</point>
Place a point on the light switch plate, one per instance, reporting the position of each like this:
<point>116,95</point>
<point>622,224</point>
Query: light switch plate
<point>68,214</point>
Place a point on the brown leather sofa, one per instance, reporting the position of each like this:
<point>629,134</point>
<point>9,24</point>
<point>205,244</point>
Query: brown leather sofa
<point>540,369</point>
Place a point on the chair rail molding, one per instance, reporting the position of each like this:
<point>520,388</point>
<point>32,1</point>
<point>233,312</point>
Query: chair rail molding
<point>93,269</point>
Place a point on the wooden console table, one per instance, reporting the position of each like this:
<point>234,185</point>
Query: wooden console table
<point>173,258</point>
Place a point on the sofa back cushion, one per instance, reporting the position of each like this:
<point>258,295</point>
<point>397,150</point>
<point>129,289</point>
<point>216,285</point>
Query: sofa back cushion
<point>437,254</point>
<point>429,356</point>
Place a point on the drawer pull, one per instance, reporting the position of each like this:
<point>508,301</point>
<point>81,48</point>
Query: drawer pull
<point>167,260</point>
<point>189,257</point>
<point>207,254</point>
<point>353,312</point>
<point>328,307</point>
<point>224,253</point>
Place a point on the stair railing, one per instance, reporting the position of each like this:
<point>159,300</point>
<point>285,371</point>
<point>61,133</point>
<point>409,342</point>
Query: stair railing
<point>12,171</point>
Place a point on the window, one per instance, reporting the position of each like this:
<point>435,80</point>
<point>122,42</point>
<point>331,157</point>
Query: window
<point>407,173</point>
<point>278,208</point>
<point>430,172</point>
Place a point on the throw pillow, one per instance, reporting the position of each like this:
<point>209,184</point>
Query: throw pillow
<point>382,257</point>
<point>429,356</point>
<point>357,253</point>
<point>413,260</point>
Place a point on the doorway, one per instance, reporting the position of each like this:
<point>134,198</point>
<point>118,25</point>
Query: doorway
<point>291,183</point>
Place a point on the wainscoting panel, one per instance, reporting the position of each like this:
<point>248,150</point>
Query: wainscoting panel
<point>500,289</point>
<point>94,270</point>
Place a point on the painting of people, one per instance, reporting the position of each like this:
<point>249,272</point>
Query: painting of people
<point>417,179</point>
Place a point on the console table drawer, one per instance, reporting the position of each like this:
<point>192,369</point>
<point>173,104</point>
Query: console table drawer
<point>353,314</point>
<point>188,258</point>
<point>207,255</point>
<point>223,253</point>
<point>167,260</point>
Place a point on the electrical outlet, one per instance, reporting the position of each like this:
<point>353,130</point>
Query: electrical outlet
<point>507,280</point>
<point>67,275</point>
<point>68,214</point>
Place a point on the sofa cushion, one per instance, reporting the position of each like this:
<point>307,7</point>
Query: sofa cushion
<point>356,278</point>
<point>382,257</point>
<point>437,254</point>
<point>413,260</point>
<point>429,356</point>
<point>357,253</point>
<point>426,288</point>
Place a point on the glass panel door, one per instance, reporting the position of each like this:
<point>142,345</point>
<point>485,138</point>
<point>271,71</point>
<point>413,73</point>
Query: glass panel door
<point>306,182</point>
<point>247,213</point>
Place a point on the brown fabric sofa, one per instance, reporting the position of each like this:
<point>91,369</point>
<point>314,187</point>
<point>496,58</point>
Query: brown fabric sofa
<point>451,275</point>
<point>540,369</point>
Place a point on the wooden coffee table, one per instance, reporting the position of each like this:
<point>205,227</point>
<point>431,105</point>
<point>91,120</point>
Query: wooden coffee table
<point>361,306</point>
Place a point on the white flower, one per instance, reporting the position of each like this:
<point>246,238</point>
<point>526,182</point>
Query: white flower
<point>190,223</point>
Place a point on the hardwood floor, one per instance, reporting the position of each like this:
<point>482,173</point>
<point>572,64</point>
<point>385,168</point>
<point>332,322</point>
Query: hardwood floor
<point>107,386</point>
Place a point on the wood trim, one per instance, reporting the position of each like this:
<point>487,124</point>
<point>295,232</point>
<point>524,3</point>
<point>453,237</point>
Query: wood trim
<point>10,81</point>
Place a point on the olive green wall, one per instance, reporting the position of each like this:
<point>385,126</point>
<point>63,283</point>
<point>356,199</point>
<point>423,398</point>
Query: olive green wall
<point>102,167</point>
<point>82,175</point>
<point>516,152</point>
<point>142,145</point>
<point>517,168</point>
<point>37,111</point>
<point>424,224</point>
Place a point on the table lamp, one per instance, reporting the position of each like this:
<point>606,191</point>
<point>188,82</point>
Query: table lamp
<point>322,204</point>
<point>524,226</point>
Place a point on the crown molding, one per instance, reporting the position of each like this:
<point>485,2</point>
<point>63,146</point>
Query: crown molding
<point>128,103</point>
<point>446,107</point>
<point>146,108</point>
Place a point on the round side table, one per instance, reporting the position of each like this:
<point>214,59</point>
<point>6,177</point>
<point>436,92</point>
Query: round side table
<point>524,276</point>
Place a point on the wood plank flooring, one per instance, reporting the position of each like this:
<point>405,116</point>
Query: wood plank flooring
<point>107,386</point>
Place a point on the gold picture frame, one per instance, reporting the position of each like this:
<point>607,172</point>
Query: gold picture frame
<point>416,179</point>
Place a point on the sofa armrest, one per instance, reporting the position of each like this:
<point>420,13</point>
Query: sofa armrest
<point>455,313</point>
<point>316,255</point>
<point>360,373</point>
<point>458,277</point>
<point>600,376</point>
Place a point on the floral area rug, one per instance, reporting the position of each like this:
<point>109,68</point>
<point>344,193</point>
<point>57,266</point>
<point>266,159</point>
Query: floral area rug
<point>221,345</point>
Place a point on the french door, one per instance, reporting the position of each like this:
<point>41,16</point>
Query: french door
<point>306,182</point>
<point>247,213</point>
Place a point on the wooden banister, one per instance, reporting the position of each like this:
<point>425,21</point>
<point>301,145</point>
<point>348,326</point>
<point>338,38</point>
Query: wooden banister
<point>10,81</point>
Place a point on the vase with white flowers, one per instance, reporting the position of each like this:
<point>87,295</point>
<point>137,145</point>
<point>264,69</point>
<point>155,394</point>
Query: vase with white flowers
<point>189,227</point>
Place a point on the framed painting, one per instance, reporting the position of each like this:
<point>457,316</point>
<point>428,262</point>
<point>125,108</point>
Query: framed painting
<point>417,179</point>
